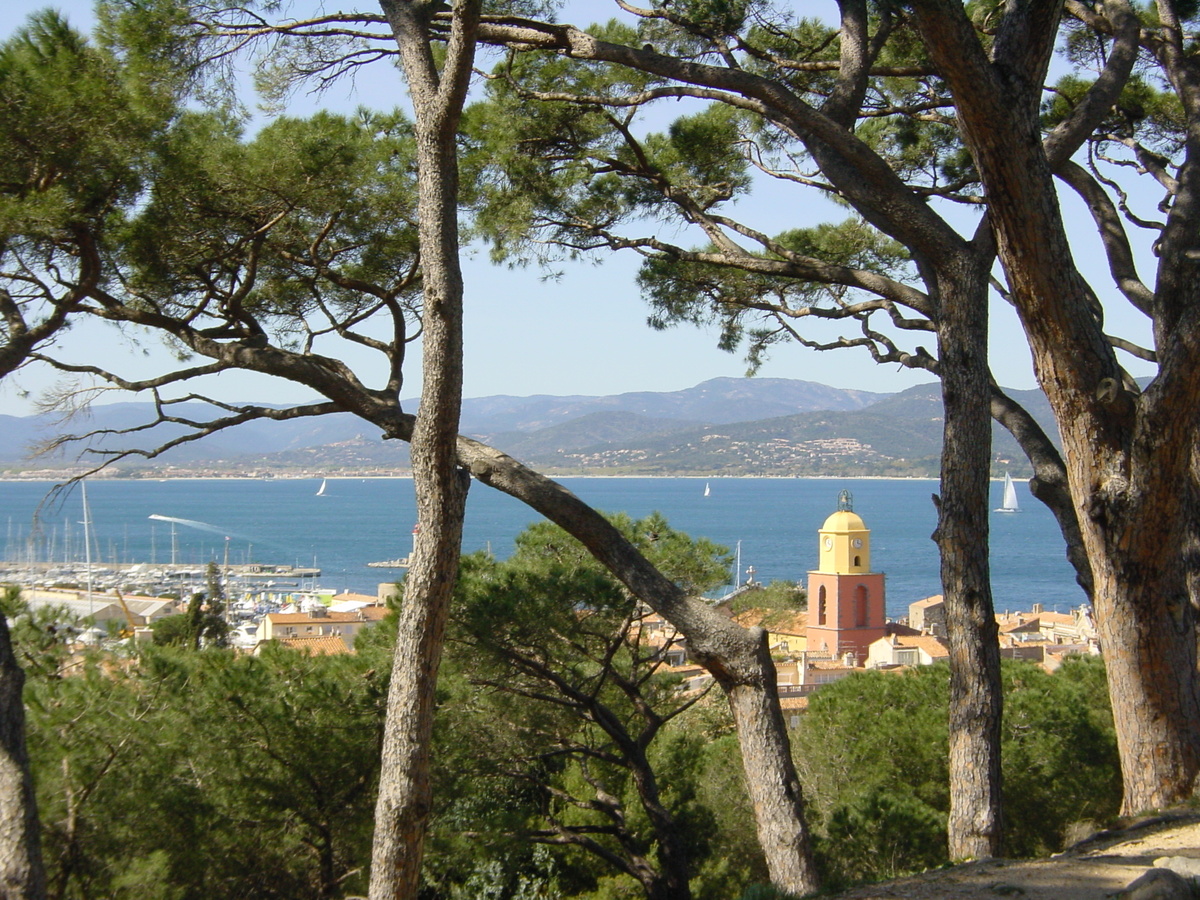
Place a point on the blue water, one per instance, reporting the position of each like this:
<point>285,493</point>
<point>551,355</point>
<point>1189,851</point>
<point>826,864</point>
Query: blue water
<point>361,521</point>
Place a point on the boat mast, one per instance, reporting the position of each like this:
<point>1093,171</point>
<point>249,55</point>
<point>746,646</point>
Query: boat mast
<point>87,547</point>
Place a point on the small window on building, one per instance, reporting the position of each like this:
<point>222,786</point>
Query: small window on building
<point>821,607</point>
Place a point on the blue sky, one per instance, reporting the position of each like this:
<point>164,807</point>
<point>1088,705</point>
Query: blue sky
<point>582,333</point>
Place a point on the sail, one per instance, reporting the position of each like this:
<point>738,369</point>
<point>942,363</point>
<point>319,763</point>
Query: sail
<point>321,490</point>
<point>706,490</point>
<point>1009,503</point>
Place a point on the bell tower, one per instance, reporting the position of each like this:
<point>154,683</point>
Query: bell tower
<point>845,598</point>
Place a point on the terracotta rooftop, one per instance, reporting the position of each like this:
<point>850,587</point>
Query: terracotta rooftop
<point>319,645</point>
<point>831,665</point>
<point>928,601</point>
<point>366,614</point>
<point>350,595</point>
<point>927,642</point>
<point>778,621</point>
<point>1057,618</point>
<point>1007,639</point>
<point>1016,622</point>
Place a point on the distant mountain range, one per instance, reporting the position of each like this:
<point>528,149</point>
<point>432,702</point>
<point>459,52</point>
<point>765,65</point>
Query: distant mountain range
<point>726,426</point>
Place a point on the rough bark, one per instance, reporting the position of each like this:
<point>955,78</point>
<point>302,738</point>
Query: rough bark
<point>22,876</point>
<point>405,792</point>
<point>771,778</point>
<point>975,826</point>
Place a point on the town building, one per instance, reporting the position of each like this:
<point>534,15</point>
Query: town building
<point>319,622</point>
<point>906,650</point>
<point>928,616</point>
<point>100,607</point>
<point>846,611</point>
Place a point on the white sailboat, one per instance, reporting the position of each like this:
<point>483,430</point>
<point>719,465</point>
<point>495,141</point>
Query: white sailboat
<point>321,489</point>
<point>707,491</point>
<point>1009,503</point>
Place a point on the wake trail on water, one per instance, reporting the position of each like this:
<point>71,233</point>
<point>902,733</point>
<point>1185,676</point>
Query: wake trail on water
<point>224,532</point>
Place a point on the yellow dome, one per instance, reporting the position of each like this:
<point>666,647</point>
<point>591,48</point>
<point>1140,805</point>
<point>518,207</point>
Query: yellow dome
<point>844,520</point>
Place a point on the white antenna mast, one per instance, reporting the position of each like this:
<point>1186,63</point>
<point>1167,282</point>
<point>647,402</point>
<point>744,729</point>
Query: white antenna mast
<point>87,547</point>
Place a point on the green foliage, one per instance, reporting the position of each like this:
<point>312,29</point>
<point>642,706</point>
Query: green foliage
<point>41,637</point>
<point>1153,117</point>
<point>312,215</point>
<point>551,711</point>
<point>576,170</point>
<point>177,630</point>
<point>203,625</point>
<point>882,834</point>
<point>75,136</point>
<point>872,751</point>
<point>196,775</point>
<point>1060,754</point>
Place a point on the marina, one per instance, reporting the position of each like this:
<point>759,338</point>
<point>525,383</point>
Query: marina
<point>144,578</point>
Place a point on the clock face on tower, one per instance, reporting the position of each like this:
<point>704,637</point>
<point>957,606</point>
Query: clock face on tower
<point>828,542</point>
<point>857,542</point>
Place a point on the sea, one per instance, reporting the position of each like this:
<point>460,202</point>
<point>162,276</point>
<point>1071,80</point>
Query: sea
<point>774,522</point>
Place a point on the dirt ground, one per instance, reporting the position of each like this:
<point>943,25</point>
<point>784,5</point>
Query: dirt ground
<point>1099,867</point>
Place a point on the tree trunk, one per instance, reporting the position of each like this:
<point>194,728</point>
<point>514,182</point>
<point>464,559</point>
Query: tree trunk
<point>405,794</point>
<point>21,874</point>
<point>771,778</point>
<point>975,824</point>
<point>1149,642</point>
<point>672,881</point>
